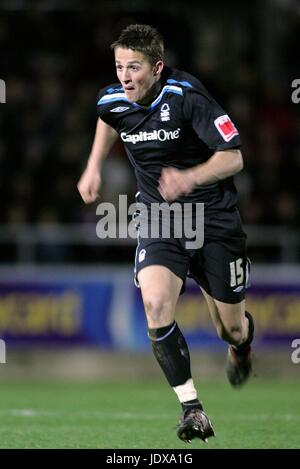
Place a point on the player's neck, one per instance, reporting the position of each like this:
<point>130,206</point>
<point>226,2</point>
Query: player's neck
<point>151,95</point>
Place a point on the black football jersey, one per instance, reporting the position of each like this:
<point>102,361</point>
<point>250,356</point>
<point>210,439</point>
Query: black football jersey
<point>181,128</point>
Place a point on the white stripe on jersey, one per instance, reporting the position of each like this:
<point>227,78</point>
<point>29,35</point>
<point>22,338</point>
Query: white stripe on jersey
<point>171,88</point>
<point>112,97</point>
<point>107,98</point>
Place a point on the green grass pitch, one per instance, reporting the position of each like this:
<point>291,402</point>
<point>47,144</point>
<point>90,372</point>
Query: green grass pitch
<point>264,414</point>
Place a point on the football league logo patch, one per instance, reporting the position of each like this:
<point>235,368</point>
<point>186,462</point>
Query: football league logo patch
<point>225,127</point>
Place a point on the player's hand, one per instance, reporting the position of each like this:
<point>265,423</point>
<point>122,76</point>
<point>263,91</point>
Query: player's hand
<point>89,185</point>
<point>174,182</point>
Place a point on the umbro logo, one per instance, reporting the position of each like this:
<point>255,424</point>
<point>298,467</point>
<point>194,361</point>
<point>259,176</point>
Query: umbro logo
<point>119,109</point>
<point>238,289</point>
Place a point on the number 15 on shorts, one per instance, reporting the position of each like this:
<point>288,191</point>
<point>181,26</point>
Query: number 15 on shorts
<point>236,273</point>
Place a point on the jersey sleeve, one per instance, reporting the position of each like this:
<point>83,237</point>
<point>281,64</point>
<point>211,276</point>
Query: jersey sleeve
<point>210,122</point>
<point>105,105</point>
<point>103,109</point>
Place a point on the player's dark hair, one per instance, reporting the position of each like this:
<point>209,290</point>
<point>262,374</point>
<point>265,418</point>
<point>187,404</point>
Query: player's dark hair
<point>142,38</point>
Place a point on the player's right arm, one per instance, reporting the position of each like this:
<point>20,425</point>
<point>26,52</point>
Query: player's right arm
<point>89,184</point>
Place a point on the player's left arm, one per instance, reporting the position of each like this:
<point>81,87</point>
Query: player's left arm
<point>221,165</point>
<point>215,128</point>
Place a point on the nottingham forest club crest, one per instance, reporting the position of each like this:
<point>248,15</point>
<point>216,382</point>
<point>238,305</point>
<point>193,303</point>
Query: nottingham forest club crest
<point>165,112</point>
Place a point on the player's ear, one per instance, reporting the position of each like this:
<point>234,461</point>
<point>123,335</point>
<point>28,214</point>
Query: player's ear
<point>158,67</point>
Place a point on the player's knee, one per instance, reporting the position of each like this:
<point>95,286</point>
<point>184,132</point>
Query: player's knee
<point>236,335</point>
<point>232,334</point>
<point>158,311</point>
<point>223,333</point>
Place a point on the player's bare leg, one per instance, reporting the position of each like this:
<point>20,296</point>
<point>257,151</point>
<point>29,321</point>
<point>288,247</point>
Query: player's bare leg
<point>160,291</point>
<point>235,326</point>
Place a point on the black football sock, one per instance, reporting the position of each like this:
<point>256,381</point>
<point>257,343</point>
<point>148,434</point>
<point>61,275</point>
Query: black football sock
<point>193,404</point>
<point>171,351</point>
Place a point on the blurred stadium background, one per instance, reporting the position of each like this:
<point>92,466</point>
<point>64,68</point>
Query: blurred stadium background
<point>68,307</point>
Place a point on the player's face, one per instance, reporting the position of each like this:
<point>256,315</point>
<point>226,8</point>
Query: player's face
<point>138,77</point>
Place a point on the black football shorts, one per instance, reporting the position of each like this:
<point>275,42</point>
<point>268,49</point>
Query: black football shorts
<point>220,266</point>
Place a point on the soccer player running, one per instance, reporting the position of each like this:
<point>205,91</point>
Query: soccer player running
<point>184,148</point>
